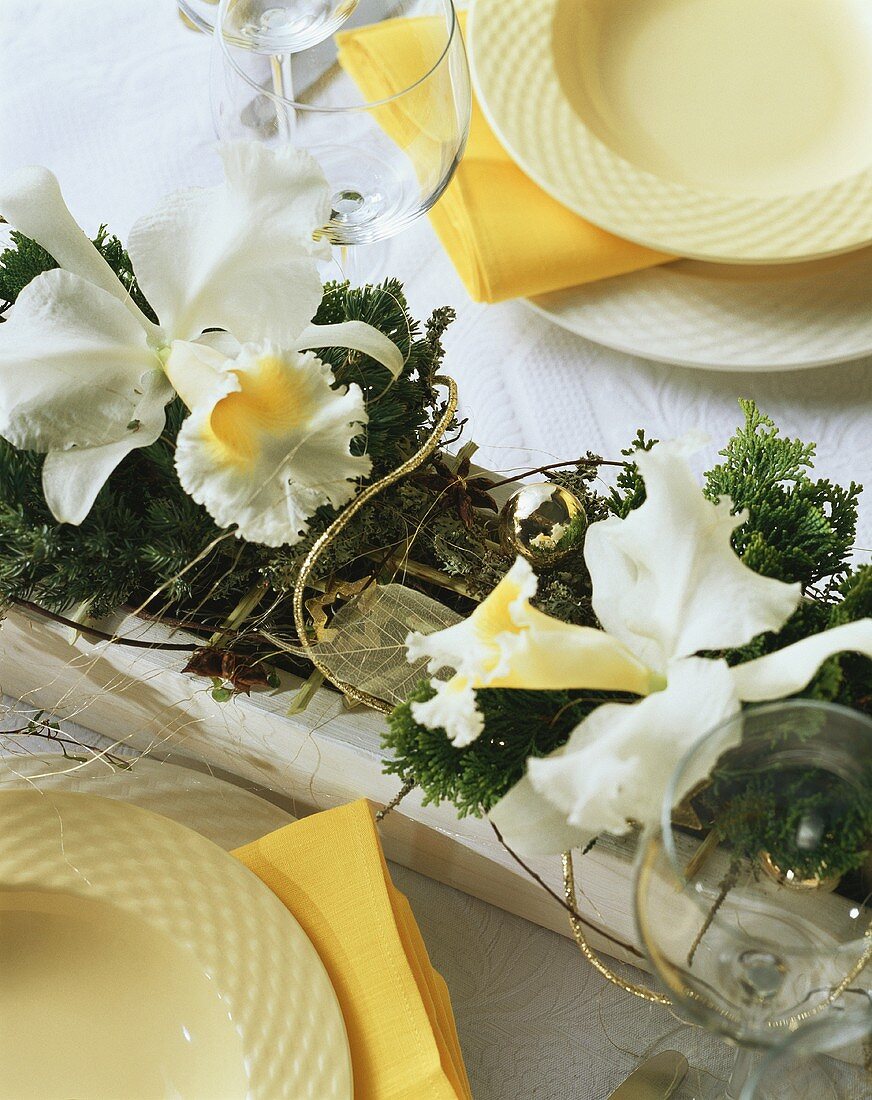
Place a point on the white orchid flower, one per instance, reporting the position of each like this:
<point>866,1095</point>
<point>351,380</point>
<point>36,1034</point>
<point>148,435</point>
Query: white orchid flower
<point>268,440</point>
<point>666,585</point>
<point>85,376</point>
<point>508,643</point>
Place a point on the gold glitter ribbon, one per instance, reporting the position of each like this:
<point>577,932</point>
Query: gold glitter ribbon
<point>339,524</point>
<point>584,947</point>
<point>687,994</point>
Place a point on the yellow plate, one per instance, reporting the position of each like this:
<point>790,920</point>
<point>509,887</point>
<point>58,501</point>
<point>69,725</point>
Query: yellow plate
<point>140,960</point>
<point>730,130</point>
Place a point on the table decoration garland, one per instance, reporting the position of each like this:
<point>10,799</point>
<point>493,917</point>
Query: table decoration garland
<point>195,429</point>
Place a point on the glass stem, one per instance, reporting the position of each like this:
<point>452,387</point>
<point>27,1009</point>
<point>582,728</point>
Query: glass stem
<point>350,264</point>
<point>283,86</point>
<point>742,1068</point>
<point>366,263</point>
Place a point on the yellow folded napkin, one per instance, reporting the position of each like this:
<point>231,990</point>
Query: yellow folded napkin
<point>505,235</point>
<point>330,872</point>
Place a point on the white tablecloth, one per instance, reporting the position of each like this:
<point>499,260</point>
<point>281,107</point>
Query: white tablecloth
<point>113,96</point>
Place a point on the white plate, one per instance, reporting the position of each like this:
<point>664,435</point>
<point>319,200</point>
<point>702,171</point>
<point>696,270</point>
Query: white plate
<point>724,317</point>
<point>147,962</point>
<point>736,131</point>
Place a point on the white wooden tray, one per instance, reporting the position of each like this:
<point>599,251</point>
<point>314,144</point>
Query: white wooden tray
<point>320,758</point>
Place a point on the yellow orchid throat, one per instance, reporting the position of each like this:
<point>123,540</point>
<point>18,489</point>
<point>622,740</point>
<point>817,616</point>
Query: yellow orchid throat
<point>547,654</point>
<point>269,438</point>
<point>266,404</point>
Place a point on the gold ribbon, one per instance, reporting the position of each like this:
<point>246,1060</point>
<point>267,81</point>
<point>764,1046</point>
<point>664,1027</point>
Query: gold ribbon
<point>584,947</point>
<point>345,517</point>
<point>687,994</point>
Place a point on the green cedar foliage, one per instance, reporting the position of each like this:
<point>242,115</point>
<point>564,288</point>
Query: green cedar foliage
<point>760,802</point>
<point>799,529</point>
<point>518,724</point>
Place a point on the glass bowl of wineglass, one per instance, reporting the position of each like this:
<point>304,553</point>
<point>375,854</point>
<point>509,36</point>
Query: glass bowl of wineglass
<point>752,894</point>
<point>304,21</point>
<point>387,140</point>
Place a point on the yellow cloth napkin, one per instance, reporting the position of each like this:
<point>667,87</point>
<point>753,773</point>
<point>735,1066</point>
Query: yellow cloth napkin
<point>330,872</point>
<point>505,235</point>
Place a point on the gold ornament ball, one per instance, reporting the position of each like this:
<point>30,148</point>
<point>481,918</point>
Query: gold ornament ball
<point>544,523</point>
<point>792,881</point>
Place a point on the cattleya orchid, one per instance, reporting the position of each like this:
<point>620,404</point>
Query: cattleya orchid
<point>667,585</point>
<point>85,376</point>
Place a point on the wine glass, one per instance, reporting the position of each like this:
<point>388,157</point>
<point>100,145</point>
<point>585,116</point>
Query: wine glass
<point>751,901</point>
<point>829,1059</point>
<point>388,148</point>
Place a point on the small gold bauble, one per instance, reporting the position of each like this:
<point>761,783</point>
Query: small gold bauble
<point>788,878</point>
<point>543,523</point>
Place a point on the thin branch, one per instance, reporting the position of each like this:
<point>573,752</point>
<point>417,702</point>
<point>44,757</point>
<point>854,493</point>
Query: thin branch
<point>555,466</point>
<point>101,635</point>
<point>573,912</point>
<point>726,885</point>
<point>406,788</point>
<point>39,728</point>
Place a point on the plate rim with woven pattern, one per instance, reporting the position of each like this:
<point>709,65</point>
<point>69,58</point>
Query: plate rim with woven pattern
<point>188,893</point>
<point>515,78</point>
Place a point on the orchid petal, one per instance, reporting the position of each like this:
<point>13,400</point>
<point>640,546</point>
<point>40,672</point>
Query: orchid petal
<point>560,656</point>
<point>270,444</point>
<point>479,649</point>
<point>194,369</point>
<point>507,643</point>
<point>31,201</point>
<point>618,762</point>
<point>529,824</point>
<point>480,646</point>
<point>788,670</point>
<point>222,341</point>
<point>240,256</point>
<point>72,360</point>
<point>453,708</point>
<point>666,579</point>
<point>72,479</point>
<point>357,335</point>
